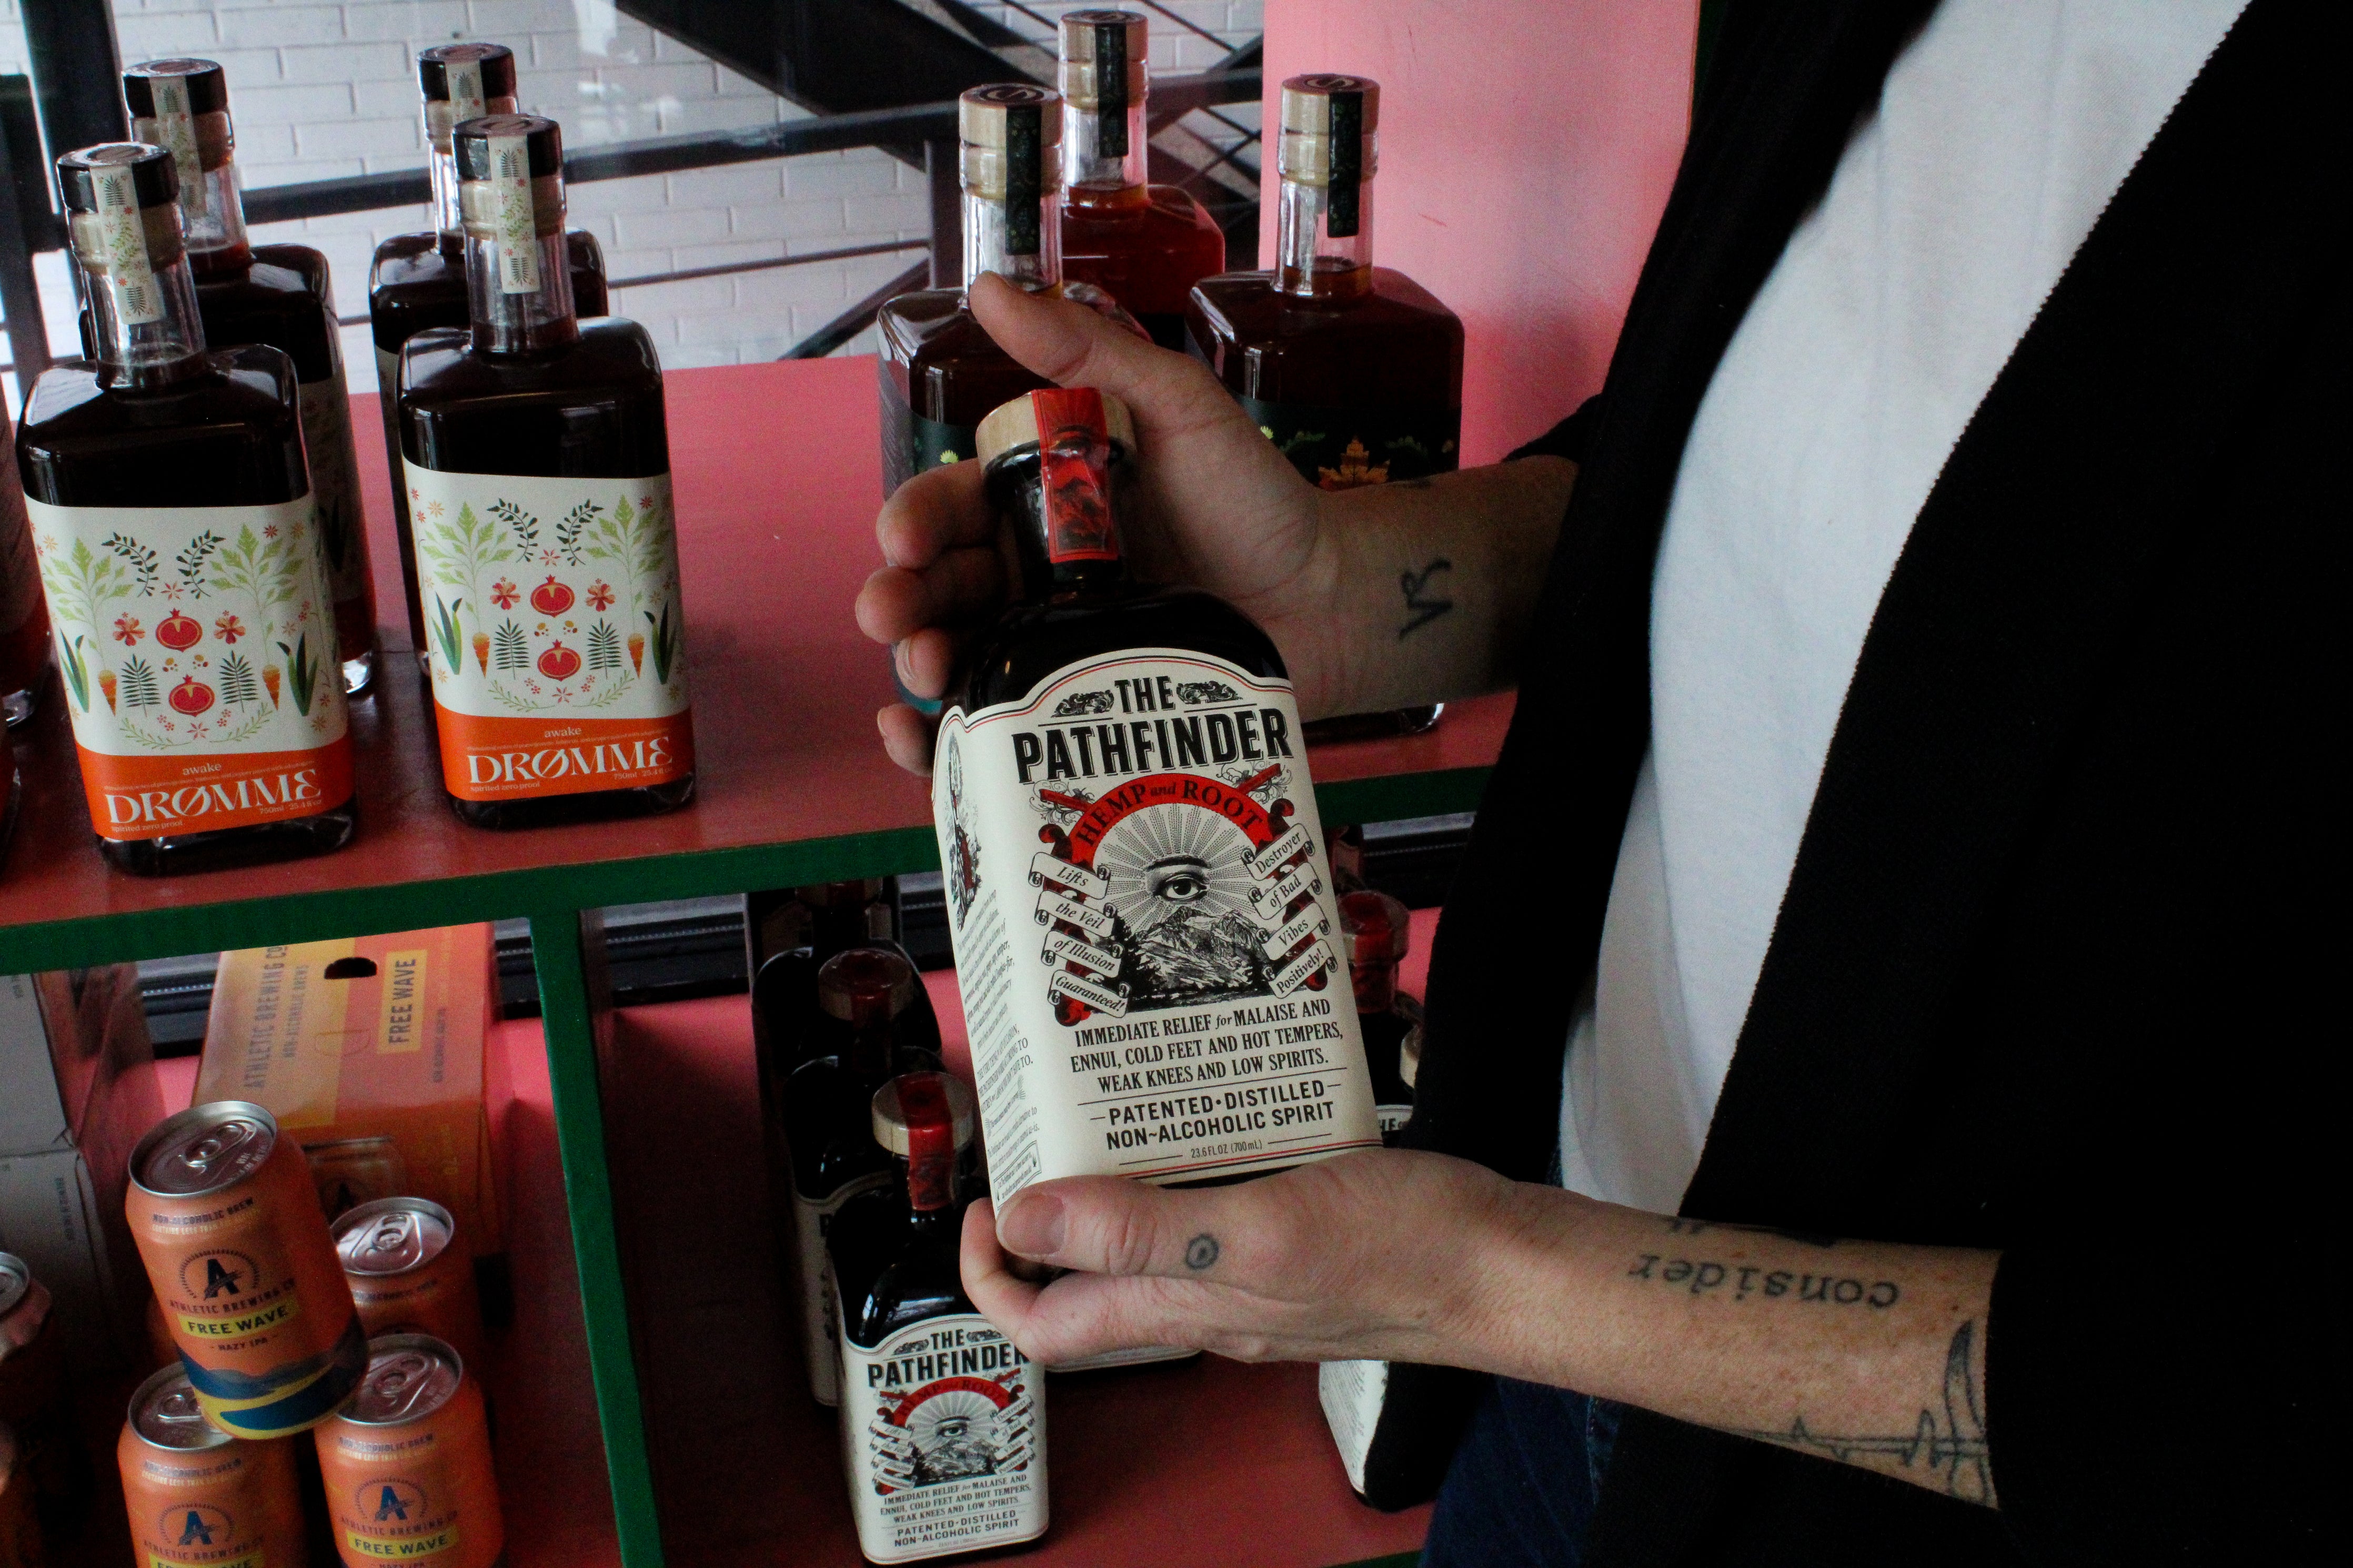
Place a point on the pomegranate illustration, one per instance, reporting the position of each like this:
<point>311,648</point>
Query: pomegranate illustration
<point>551,597</point>
<point>559,663</point>
<point>192,696</point>
<point>106,684</point>
<point>176,631</point>
<point>636,653</point>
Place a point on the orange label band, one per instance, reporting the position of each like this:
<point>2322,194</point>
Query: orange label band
<point>131,798</point>
<point>522,759</point>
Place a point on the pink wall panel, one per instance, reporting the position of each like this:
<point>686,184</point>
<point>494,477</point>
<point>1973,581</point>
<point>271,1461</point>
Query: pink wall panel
<point>1527,148</point>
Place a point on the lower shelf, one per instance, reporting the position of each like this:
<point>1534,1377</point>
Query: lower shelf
<point>1204,1462</point>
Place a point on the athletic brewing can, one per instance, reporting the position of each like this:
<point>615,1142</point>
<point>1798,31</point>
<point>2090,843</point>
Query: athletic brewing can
<point>227,1223</point>
<point>197,1496</point>
<point>407,1462</point>
<point>349,1171</point>
<point>408,1276</point>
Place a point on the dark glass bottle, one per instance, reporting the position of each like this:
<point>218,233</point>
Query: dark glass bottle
<point>418,281</point>
<point>1355,371</point>
<point>535,451</point>
<point>24,618</point>
<point>940,371</point>
<point>943,1418</point>
<point>1143,244</point>
<point>1379,932</point>
<point>187,585</point>
<point>868,1030</point>
<point>275,294</point>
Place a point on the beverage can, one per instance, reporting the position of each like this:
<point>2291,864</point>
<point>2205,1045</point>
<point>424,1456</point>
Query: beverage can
<point>349,1171</point>
<point>407,1462</point>
<point>408,1275</point>
<point>227,1220</point>
<point>196,1495</point>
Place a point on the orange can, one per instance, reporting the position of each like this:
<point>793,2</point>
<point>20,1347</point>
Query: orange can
<point>20,1527</point>
<point>407,1462</point>
<point>409,1276</point>
<point>197,1496</point>
<point>253,1295</point>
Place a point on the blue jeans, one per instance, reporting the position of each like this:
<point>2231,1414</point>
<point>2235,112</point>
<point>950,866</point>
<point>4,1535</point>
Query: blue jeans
<point>1521,1492</point>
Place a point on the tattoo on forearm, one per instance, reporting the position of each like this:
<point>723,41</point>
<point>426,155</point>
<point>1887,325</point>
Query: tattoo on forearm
<point>1953,1449</point>
<point>1739,1281</point>
<point>1200,1252</point>
<point>1423,605</point>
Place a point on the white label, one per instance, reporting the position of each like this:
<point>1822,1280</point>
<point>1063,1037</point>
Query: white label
<point>514,223</point>
<point>335,486</point>
<point>550,595</point>
<point>1351,1392</point>
<point>1155,994</point>
<point>123,238</point>
<point>465,79</point>
<point>943,1440</point>
<point>205,630</point>
<point>1392,1118</point>
<point>820,1325</point>
<point>173,129</point>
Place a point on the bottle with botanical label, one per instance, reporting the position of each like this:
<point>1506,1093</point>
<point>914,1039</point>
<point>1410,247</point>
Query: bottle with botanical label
<point>1355,371</point>
<point>1143,244</point>
<point>940,370</point>
<point>943,1418</point>
<point>1135,868</point>
<point>188,586</point>
<point>537,468</point>
<point>24,619</point>
<point>866,998</point>
<point>274,294</point>
<point>419,280</point>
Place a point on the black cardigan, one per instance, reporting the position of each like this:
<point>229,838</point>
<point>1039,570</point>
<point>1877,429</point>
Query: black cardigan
<point>2052,973</point>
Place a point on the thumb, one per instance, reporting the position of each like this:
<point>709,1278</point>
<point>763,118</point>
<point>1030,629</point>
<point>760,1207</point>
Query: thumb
<point>1072,345</point>
<point>1111,1225</point>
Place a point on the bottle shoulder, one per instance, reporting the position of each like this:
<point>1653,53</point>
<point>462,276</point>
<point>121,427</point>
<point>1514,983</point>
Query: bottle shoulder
<point>909,320</point>
<point>268,303</point>
<point>613,352</point>
<point>1248,305</point>
<point>228,435</point>
<point>1032,641</point>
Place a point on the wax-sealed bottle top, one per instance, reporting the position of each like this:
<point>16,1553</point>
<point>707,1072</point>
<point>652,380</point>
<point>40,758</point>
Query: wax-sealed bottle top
<point>925,1118</point>
<point>1080,441</point>
<point>866,987</point>
<point>1378,932</point>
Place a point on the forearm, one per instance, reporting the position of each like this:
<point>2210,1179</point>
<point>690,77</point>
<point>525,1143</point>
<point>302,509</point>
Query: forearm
<point>1429,585</point>
<point>1867,1352</point>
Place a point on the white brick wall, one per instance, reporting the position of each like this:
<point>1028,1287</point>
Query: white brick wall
<point>320,89</point>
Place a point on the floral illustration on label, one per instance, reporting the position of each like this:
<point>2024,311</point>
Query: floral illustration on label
<point>130,276</point>
<point>514,223</point>
<point>943,1430</point>
<point>531,646</point>
<point>175,130</point>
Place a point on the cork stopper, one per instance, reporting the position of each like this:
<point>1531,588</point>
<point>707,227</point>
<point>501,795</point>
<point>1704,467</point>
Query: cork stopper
<point>1104,60</point>
<point>866,985</point>
<point>154,181</point>
<point>1328,126</point>
<point>893,1124</point>
<point>1011,132</point>
<point>204,82</point>
<point>1023,423</point>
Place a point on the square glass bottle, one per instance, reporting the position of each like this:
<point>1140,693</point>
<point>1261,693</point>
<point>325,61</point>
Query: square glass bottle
<point>536,462</point>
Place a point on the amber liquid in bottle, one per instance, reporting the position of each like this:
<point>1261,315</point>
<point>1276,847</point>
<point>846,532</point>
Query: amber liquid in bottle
<point>1143,244</point>
<point>162,422</point>
<point>1355,371</point>
<point>24,618</point>
<point>416,282</point>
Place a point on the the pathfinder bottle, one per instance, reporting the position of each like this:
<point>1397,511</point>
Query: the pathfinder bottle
<point>1143,244</point>
<point>943,1419</point>
<point>941,372</point>
<point>538,479</point>
<point>186,583</point>
<point>274,294</point>
<point>867,997</point>
<point>419,280</point>
<point>1134,862</point>
<point>1355,371</point>
<point>24,619</point>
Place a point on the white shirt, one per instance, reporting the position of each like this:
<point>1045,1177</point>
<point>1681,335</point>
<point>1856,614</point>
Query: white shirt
<point>2001,133</point>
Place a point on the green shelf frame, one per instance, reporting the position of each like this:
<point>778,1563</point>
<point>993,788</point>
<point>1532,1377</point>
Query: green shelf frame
<point>564,905</point>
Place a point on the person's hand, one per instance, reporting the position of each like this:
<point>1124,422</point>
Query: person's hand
<point>1383,1255</point>
<point>1218,508</point>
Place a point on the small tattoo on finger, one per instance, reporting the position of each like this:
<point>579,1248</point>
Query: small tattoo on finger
<point>1200,1252</point>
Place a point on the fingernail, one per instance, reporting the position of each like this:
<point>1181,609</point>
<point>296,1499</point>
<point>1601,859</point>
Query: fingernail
<point>1033,1225</point>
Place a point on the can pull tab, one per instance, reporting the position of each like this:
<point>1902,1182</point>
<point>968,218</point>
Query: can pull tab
<point>931,1140</point>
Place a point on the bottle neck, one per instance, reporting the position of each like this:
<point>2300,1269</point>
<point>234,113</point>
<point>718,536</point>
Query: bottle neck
<point>1026,254</point>
<point>212,209</point>
<point>1310,259</point>
<point>870,1053</point>
<point>441,119</point>
<point>217,245</point>
<point>520,309</point>
<point>1066,525</point>
<point>1376,985</point>
<point>142,297</point>
<point>1103,159</point>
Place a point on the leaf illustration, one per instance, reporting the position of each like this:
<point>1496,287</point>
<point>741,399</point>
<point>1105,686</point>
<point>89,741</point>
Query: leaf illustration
<point>236,681</point>
<point>604,647</point>
<point>191,561</point>
<point>77,673</point>
<point>139,685</point>
<point>458,550</point>
<point>514,649</point>
<point>524,526</point>
<point>445,629</point>
<point>140,557</point>
<point>300,671</point>
<point>80,584</point>
<point>665,644</point>
<point>568,531</point>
